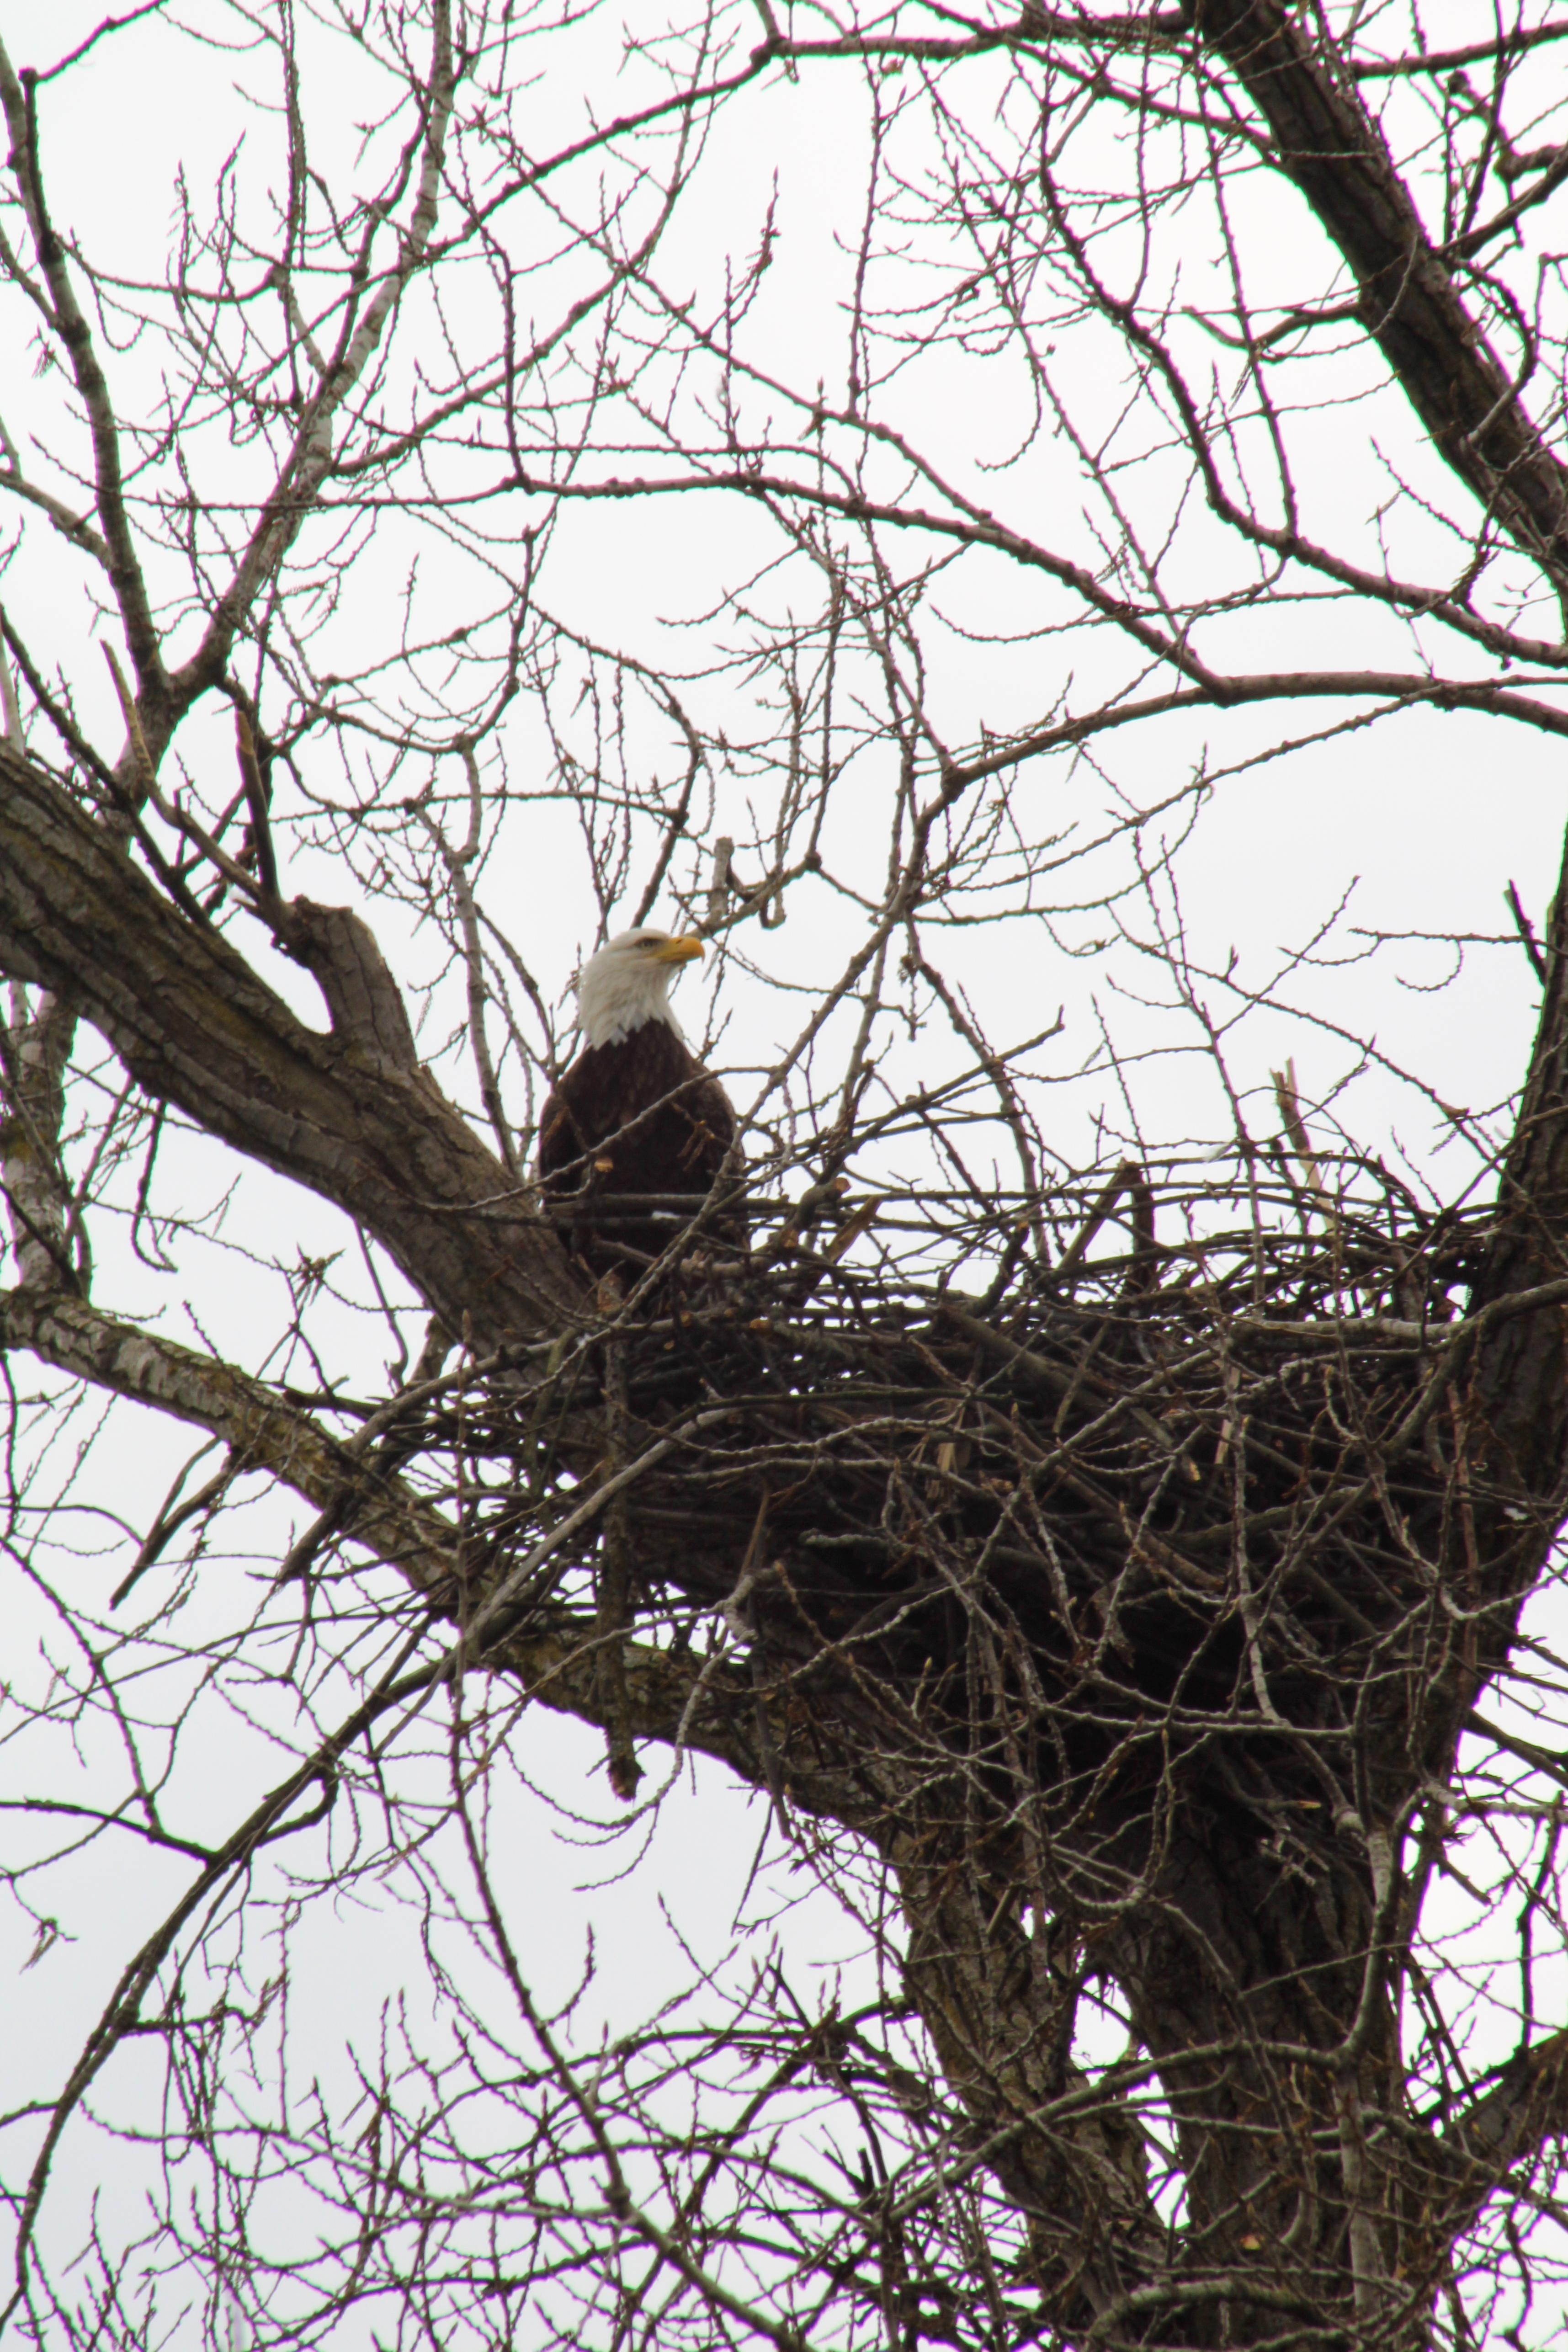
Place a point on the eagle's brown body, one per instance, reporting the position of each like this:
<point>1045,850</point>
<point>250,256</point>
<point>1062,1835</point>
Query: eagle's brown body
<point>633,1117</point>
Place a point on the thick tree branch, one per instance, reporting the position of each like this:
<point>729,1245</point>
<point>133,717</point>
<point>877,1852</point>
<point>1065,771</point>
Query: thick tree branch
<point>1518,1387</point>
<point>1408,300</point>
<point>1002,2025</point>
<point>35,1049</point>
<point>261,1432</point>
<point>682,1700</point>
<point>345,1114</point>
<point>1527,2106</point>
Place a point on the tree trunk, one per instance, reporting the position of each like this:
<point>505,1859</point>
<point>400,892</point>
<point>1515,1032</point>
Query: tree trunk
<point>1218,1830</point>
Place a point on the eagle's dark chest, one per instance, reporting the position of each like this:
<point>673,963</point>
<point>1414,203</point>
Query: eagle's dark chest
<point>636,1106</point>
<point>633,1119</point>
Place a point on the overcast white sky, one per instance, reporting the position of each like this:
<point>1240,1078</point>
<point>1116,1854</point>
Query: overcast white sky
<point>1430,816</point>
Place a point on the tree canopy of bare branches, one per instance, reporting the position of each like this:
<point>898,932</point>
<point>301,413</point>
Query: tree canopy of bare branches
<point>886,489</point>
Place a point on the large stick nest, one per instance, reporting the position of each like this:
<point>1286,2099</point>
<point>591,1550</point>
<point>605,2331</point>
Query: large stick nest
<point>1189,1486</point>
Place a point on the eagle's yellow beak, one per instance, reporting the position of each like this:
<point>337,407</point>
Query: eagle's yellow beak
<point>676,951</point>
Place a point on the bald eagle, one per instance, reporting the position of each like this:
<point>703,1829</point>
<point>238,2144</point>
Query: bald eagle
<point>636,1113</point>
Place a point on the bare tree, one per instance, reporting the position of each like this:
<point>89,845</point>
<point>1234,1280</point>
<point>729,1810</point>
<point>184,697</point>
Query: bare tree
<point>1103,1552</point>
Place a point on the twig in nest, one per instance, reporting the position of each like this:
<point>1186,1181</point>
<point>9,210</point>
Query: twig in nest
<point>1105,1199</point>
<point>1286,1096</point>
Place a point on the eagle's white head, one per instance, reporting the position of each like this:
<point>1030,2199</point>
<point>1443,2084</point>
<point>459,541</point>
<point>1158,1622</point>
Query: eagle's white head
<point>628,983</point>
